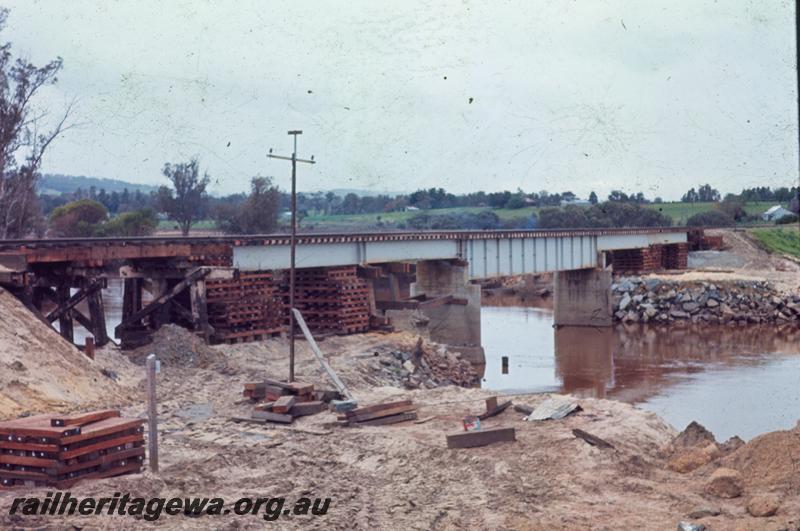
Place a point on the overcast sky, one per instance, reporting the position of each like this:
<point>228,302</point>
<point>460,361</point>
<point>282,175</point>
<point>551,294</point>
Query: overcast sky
<point>397,95</point>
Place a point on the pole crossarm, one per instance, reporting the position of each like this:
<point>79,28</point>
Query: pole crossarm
<point>290,158</point>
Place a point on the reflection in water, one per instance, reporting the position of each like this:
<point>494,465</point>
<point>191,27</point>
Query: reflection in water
<point>112,302</point>
<point>735,380</point>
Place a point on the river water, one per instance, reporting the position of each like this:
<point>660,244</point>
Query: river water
<point>734,380</point>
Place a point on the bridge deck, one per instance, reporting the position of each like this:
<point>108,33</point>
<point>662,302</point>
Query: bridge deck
<point>489,252</point>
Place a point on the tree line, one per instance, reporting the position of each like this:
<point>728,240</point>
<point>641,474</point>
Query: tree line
<point>24,139</point>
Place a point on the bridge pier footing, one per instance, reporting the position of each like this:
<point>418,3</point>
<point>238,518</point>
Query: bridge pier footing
<point>457,326</point>
<point>582,298</point>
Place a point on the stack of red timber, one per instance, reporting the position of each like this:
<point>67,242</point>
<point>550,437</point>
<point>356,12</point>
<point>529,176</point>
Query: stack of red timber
<point>59,450</point>
<point>647,259</point>
<point>698,240</point>
<point>675,256</point>
<point>283,402</point>
<point>333,300</point>
<point>245,308</point>
<point>379,415</point>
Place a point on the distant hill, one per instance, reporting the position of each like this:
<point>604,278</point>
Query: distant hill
<point>54,184</point>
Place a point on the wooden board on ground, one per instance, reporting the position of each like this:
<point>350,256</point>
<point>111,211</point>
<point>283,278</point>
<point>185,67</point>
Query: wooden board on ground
<point>284,404</point>
<point>471,439</point>
<point>493,409</point>
<point>387,412</point>
<point>307,408</point>
<point>391,419</point>
<point>378,407</point>
<point>591,439</point>
<point>272,417</point>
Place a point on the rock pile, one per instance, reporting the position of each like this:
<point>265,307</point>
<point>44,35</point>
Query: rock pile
<point>176,347</point>
<point>735,302</point>
<point>427,368</point>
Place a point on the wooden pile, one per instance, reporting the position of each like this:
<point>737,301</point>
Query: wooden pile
<point>283,402</point>
<point>57,451</point>
<point>332,300</point>
<point>379,415</point>
<point>249,307</point>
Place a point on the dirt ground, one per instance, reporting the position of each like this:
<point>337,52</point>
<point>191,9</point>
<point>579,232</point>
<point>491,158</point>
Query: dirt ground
<point>31,354</point>
<point>741,259</point>
<point>399,476</point>
<point>387,477</point>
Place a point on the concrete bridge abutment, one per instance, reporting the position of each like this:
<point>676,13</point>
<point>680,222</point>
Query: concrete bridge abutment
<point>582,297</point>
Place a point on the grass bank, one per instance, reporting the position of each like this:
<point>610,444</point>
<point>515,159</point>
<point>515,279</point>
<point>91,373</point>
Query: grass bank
<point>784,240</point>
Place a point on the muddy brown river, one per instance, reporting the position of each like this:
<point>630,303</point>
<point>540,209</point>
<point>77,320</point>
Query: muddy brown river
<point>734,380</point>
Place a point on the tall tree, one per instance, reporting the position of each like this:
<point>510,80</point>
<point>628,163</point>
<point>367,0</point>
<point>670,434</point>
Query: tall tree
<point>257,214</point>
<point>22,138</point>
<point>186,201</point>
<point>593,198</point>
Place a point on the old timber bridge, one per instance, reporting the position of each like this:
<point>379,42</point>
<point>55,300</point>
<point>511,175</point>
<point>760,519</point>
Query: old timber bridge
<point>232,288</point>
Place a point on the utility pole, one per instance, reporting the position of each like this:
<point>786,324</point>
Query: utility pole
<point>293,243</point>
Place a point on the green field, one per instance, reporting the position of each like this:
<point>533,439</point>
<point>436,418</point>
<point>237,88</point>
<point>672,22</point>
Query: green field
<point>780,240</point>
<point>679,212</point>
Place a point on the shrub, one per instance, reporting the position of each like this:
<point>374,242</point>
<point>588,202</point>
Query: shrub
<point>711,218</point>
<point>136,223</point>
<point>608,214</point>
<point>785,220</point>
<point>78,218</point>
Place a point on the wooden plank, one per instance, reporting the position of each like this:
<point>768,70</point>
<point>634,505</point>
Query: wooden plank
<point>72,453</point>
<point>377,407</point>
<point>318,353</point>
<point>270,392</point>
<point>308,408</point>
<point>42,462</point>
<point>523,409</point>
<point>103,459</point>
<point>66,305</point>
<point>495,410</point>
<point>284,404</point>
<point>393,419</point>
<point>81,419</point>
<point>326,395</point>
<point>471,439</point>
<point>104,427</point>
<point>296,388</point>
<point>591,439</point>
<point>272,417</point>
<point>361,417</point>
<point>29,446</point>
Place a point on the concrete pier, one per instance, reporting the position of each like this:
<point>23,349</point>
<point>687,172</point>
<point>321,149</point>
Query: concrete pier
<point>458,326</point>
<point>582,298</point>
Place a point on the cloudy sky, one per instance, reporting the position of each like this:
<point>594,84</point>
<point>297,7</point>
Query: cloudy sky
<point>395,95</point>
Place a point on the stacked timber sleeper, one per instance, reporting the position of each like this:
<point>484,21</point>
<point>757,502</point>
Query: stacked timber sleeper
<point>244,308</point>
<point>283,402</point>
<point>332,300</point>
<point>675,256</point>
<point>58,451</point>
